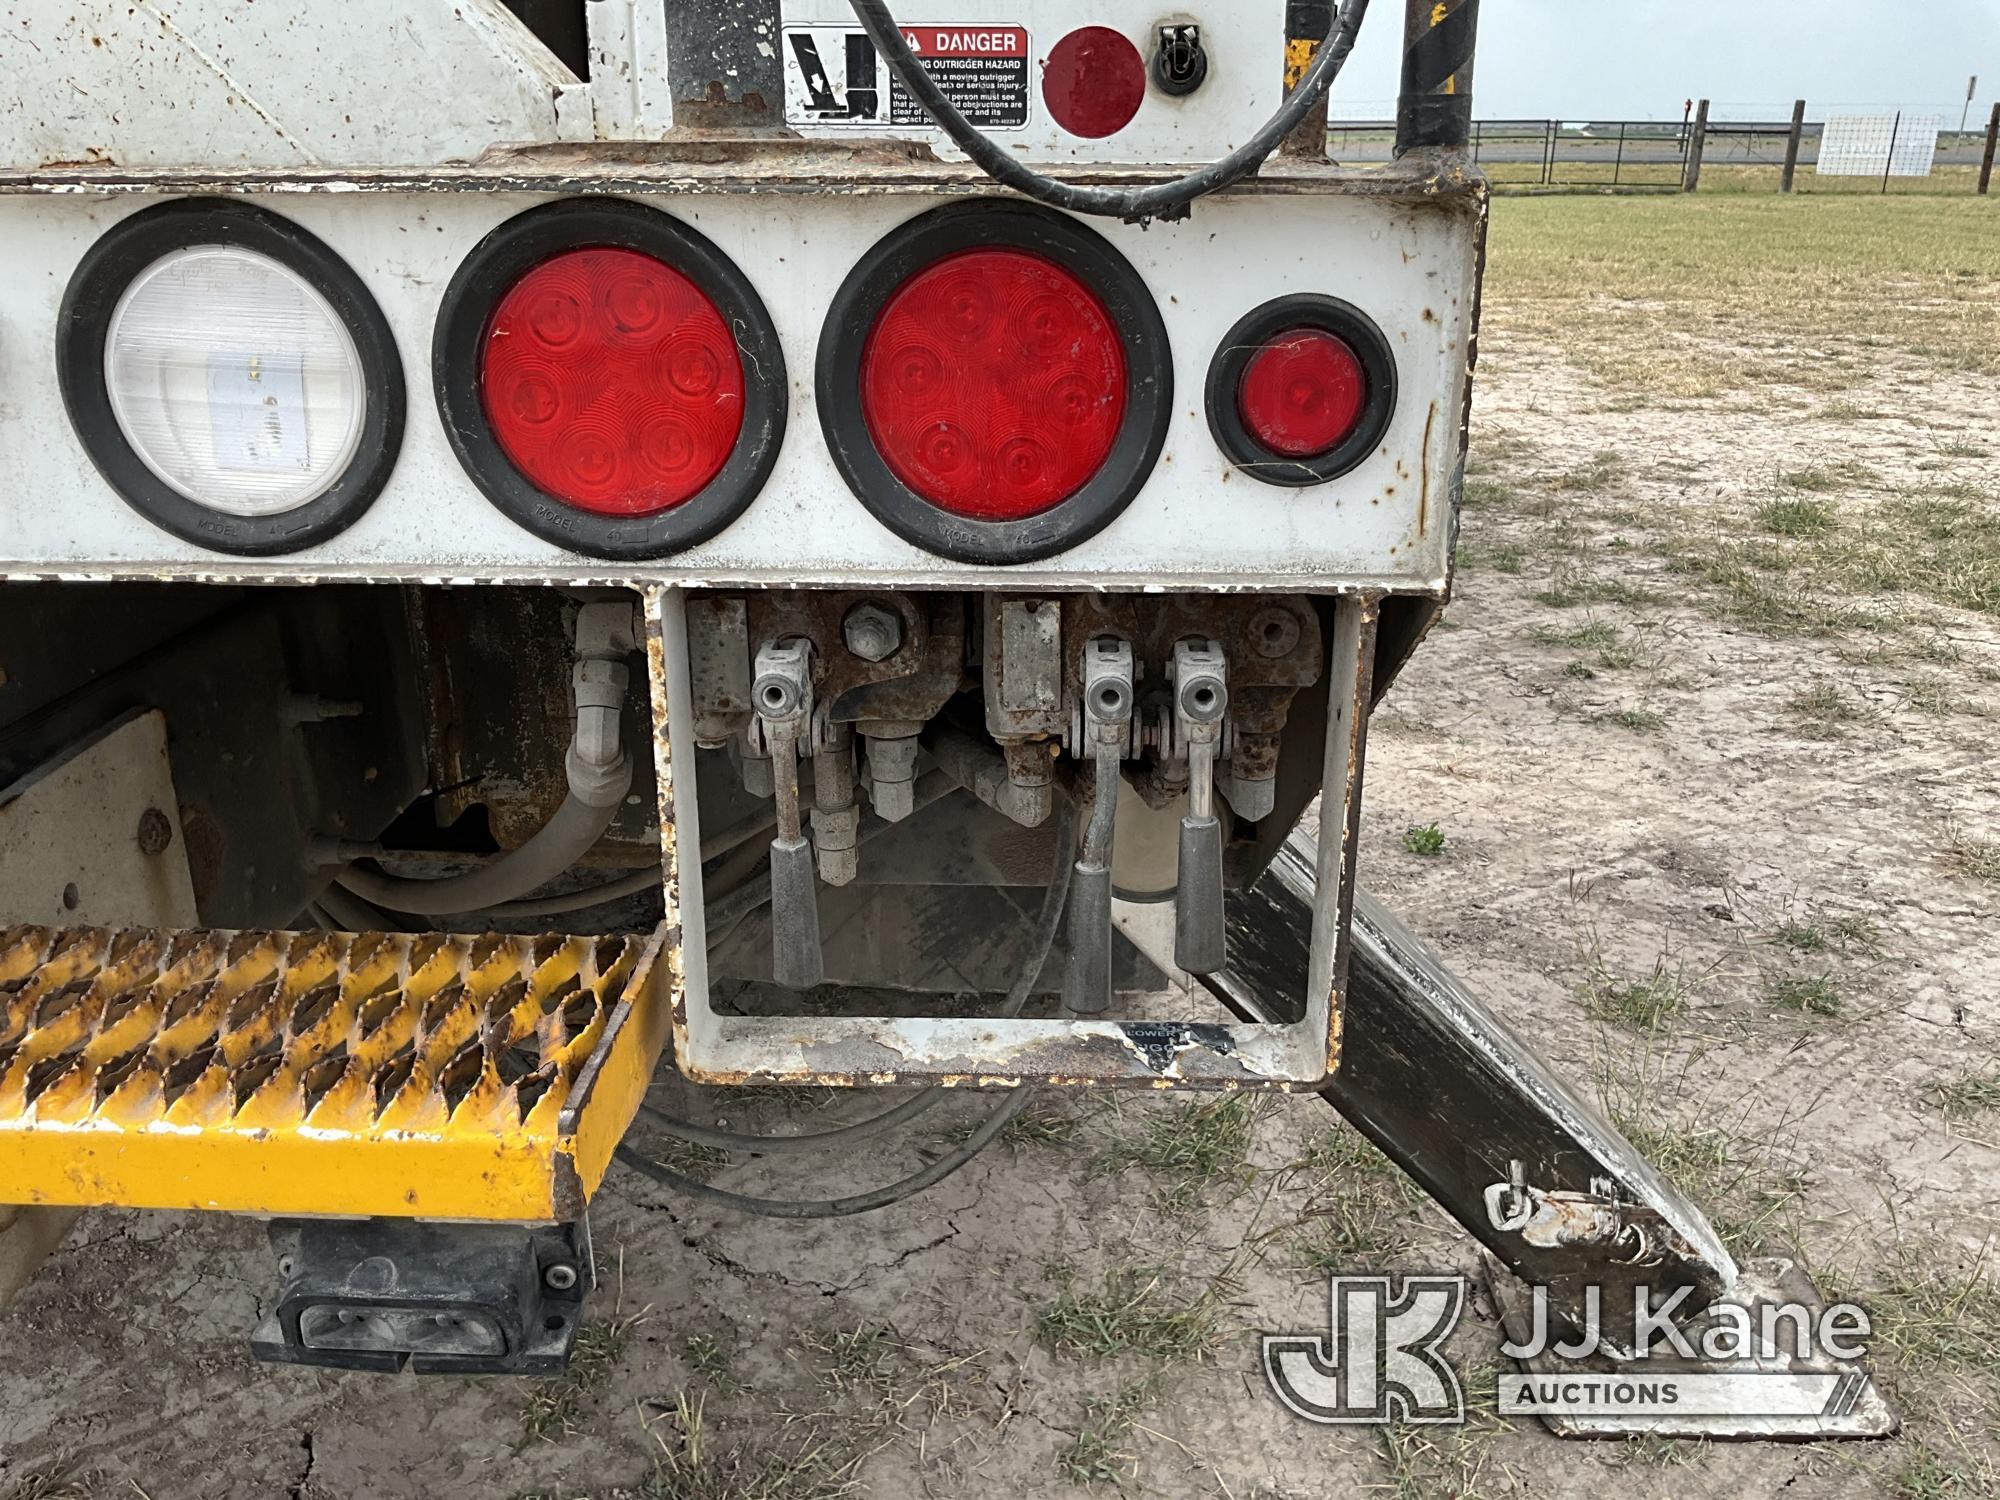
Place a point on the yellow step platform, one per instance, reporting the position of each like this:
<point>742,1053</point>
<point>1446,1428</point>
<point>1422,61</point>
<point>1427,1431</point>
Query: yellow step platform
<point>413,1074</point>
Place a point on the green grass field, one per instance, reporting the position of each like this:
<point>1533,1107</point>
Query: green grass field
<point>1691,296</point>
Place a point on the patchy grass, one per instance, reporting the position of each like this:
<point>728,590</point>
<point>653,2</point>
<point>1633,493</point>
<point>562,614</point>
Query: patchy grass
<point>1606,644</point>
<point>1743,1186</point>
<point>1815,995</point>
<point>1927,1474</point>
<point>1502,557</point>
<point>1097,1454</point>
<point>1642,1004</point>
<point>1820,479</point>
<point>1482,491</point>
<point>554,1405</point>
<point>1932,1320</point>
<point>1802,937</point>
<point>711,1362</point>
<point>1603,470</point>
<point>1796,518</point>
<point>1979,858</point>
<point>1358,1203</point>
<point>1432,1461</point>
<point>1823,711</point>
<point>1967,1096</point>
<point>1426,839</point>
<point>1350,1226</point>
<point>1935,696</point>
<point>1151,1311</point>
<point>1637,718</point>
<point>1046,1122</point>
<point>1189,1149</point>
<point>1570,586</point>
<point>689,1467</point>
<point>689,1158</point>
<point>59,1479</point>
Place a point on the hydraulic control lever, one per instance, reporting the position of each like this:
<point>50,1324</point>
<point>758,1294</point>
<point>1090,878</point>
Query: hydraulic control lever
<point>1201,697</point>
<point>1107,735</point>
<point>782,694</point>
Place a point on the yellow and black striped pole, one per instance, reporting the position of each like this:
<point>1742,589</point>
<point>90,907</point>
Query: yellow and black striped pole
<point>1435,108</point>
<point>1308,23</point>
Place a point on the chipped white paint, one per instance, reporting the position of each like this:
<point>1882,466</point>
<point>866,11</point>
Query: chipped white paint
<point>217,83</point>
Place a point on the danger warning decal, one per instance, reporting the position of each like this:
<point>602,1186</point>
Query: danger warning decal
<point>834,77</point>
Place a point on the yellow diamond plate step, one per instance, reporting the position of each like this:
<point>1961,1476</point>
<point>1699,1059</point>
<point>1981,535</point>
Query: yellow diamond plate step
<point>417,1074</point>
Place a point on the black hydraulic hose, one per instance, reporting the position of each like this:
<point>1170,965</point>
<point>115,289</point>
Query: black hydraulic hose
<point>1047,921</point>
<point>838,1208</point>
<point>580,900</point>
<point>1166,200</point>
<point>792,1145</point>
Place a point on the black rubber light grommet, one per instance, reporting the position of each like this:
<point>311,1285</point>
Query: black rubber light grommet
<point>1250,335</point>
<point>474,295</point>
<point>84,324</point>
<point>995,224</point>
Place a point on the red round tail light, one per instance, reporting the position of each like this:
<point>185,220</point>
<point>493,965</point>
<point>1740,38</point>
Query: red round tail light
<point>1302,393</point>
<point>993,384</point>
<point>612,382</point>
<point>1094,82</point>
<point>1301,390</point>
<point>609,378</point>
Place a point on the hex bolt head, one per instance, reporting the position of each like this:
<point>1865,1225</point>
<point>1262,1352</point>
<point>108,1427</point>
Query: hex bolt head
<point>872,632</point>
<point>559,1277</point>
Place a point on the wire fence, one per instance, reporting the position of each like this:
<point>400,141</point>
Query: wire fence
<point>1882,151</point>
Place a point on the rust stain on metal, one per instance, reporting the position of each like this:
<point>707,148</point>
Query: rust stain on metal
<point>767,165</point>
<point>1424,472</point>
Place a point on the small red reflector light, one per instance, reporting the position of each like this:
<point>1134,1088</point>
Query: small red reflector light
<point>993,384</point>
<point>1302,393</point>
<point>612,382</point>
<point>1094,81</point>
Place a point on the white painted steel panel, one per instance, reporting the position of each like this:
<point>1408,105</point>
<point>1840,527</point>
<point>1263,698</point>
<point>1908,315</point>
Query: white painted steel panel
<point>1196,522</point>
<point>220,83</point>
<point>1245,43</point>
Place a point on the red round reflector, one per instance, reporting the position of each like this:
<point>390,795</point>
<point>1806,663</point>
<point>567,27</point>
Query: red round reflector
<point>993,384</point>
<point>612,382</point>
<point>1302,393</point>
<point>1094,81</point>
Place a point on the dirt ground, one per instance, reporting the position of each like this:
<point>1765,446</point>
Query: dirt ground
<point>1707,738</point>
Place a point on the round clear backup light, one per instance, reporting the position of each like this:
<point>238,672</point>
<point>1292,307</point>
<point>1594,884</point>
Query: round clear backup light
<point>230,376</point>
<point>234,380</point>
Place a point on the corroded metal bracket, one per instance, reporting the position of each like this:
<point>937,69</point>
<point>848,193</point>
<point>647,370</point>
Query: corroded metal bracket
<point>1293,1052</point>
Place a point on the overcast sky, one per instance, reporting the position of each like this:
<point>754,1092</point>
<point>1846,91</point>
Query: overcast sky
<point>1639,59</point>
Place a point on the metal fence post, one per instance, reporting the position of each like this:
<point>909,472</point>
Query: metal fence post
<point>1549,128</point>
<point>1792,145</point>
<point>1618,163</point>
<point>1691,173</point>
<point>1992,140</point>
<point>1889,161</point>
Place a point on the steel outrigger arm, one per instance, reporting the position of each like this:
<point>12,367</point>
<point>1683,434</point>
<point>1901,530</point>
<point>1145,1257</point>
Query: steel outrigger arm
<point>1560,1200</point>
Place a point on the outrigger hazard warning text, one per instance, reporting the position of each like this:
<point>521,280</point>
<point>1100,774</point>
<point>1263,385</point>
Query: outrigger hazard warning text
<point>833,76</point>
